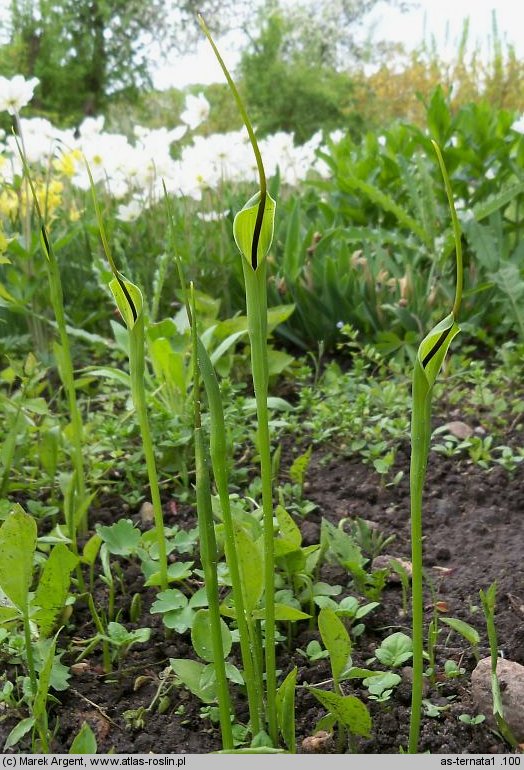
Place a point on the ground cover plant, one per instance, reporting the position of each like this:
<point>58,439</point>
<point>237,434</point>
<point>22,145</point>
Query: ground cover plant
<point>250,584</point>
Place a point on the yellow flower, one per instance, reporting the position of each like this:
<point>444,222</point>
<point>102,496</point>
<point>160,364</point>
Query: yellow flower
<point>8,203</point>
<point>67,162</point>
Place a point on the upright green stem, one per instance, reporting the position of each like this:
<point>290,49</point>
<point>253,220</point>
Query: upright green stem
<point>218,450</point>
<point>256,299</point>
<point>131,306</point>
<point>420,436</point>
<point>430,357</point>
<point>136,369</point>
<point>29,652</point>
<point>63,355</point>
<point>208,550</point>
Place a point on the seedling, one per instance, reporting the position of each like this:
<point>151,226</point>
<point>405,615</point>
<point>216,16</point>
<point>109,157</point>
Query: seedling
<point>430,357</point>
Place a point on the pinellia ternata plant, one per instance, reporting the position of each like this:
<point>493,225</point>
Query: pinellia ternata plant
<point>253,232</point>
<point>430,357</point>
<point>130,303</point>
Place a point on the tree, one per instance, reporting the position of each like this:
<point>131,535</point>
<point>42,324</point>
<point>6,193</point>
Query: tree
<point>296,72</point>
<point>85,51</point>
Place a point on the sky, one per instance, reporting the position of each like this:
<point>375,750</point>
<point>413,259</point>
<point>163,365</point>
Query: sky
<point>442,19</point>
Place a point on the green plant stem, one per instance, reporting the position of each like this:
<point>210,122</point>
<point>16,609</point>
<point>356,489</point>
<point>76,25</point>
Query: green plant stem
<point>106,655</point>
<point>256,299</point>
<point>63,355</point>
<point>208,552</point>
<point>420,437</point>
<point>430,358</point>
<point>130,304</point>
<point>218,451</point>
<point>136,370</point>
<point>29,653</point>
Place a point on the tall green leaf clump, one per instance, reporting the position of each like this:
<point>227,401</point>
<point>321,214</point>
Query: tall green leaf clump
<point>430,357</point>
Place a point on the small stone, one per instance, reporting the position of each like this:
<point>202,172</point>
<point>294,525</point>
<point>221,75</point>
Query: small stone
<point>319,743</point>
<point>511,679</point>
<point>459,429</point>
<point>147,513</point>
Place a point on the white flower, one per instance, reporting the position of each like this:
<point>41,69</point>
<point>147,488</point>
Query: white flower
<point>16,93</point>
<point>212,216</point>
<point>518,125</point>
<point>196,110</point>
<point>129,212</point>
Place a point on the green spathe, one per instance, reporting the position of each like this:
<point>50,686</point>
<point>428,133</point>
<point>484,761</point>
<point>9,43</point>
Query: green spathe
<point>244,228</point>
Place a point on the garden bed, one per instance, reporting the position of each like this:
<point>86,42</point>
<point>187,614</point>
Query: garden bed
<point>473,524</point>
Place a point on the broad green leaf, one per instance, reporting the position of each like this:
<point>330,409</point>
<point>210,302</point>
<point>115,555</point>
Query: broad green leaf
<point>130,306</point>
<point>53,587</point>
<point>169,600</point>
<point>251,566</point>
<point>18,732</point>
<point>190,673</point>
<point>202,639</point>
<point>17,546</point>
<point>285,703</point>
<point>336,640</point>
<point>176,573</point>
<point>282,612</point>
<point>395,650</point>
<point>464,629</point>
<point>347,709</point>
<point>383,680</point>
<point>289,534</point>
<point>122,537</point>
<point>244,227</point>
<point>84,741</point>
<point>91,549</point>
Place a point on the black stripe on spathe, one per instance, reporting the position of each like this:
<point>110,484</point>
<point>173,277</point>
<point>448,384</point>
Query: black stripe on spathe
<point>436,347</point>
<point>128,297</point>
<point>257,231</point>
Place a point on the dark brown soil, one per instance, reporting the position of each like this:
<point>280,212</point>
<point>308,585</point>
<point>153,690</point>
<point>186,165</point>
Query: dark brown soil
<point>474,529</point>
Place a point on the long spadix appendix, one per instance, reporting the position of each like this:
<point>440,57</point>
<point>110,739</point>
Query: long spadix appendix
<point>253,228</point>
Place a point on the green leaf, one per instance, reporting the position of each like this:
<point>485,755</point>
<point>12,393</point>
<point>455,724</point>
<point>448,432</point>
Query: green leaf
<point>169,600</point>
<point>53,587</point>
<point>91,549</point>
<point>17,546</point>
<point>464,629</point>
<point>395,650</point>
<point>336,640</point>
<point>190,672</point>
<point>251,566</point>
<point>44,681</point>
<point>202,640</point>
<point>300,465</point>
<point>347,709</point>
<point>285,704</point>
<point>84,741</point>
<point>122,537</point>
<point>377,683</point>
<point>176,573</point>
<point>282,612</point>
<point>18,732</point>
<point>290,537</point>
<point>244,227</point>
